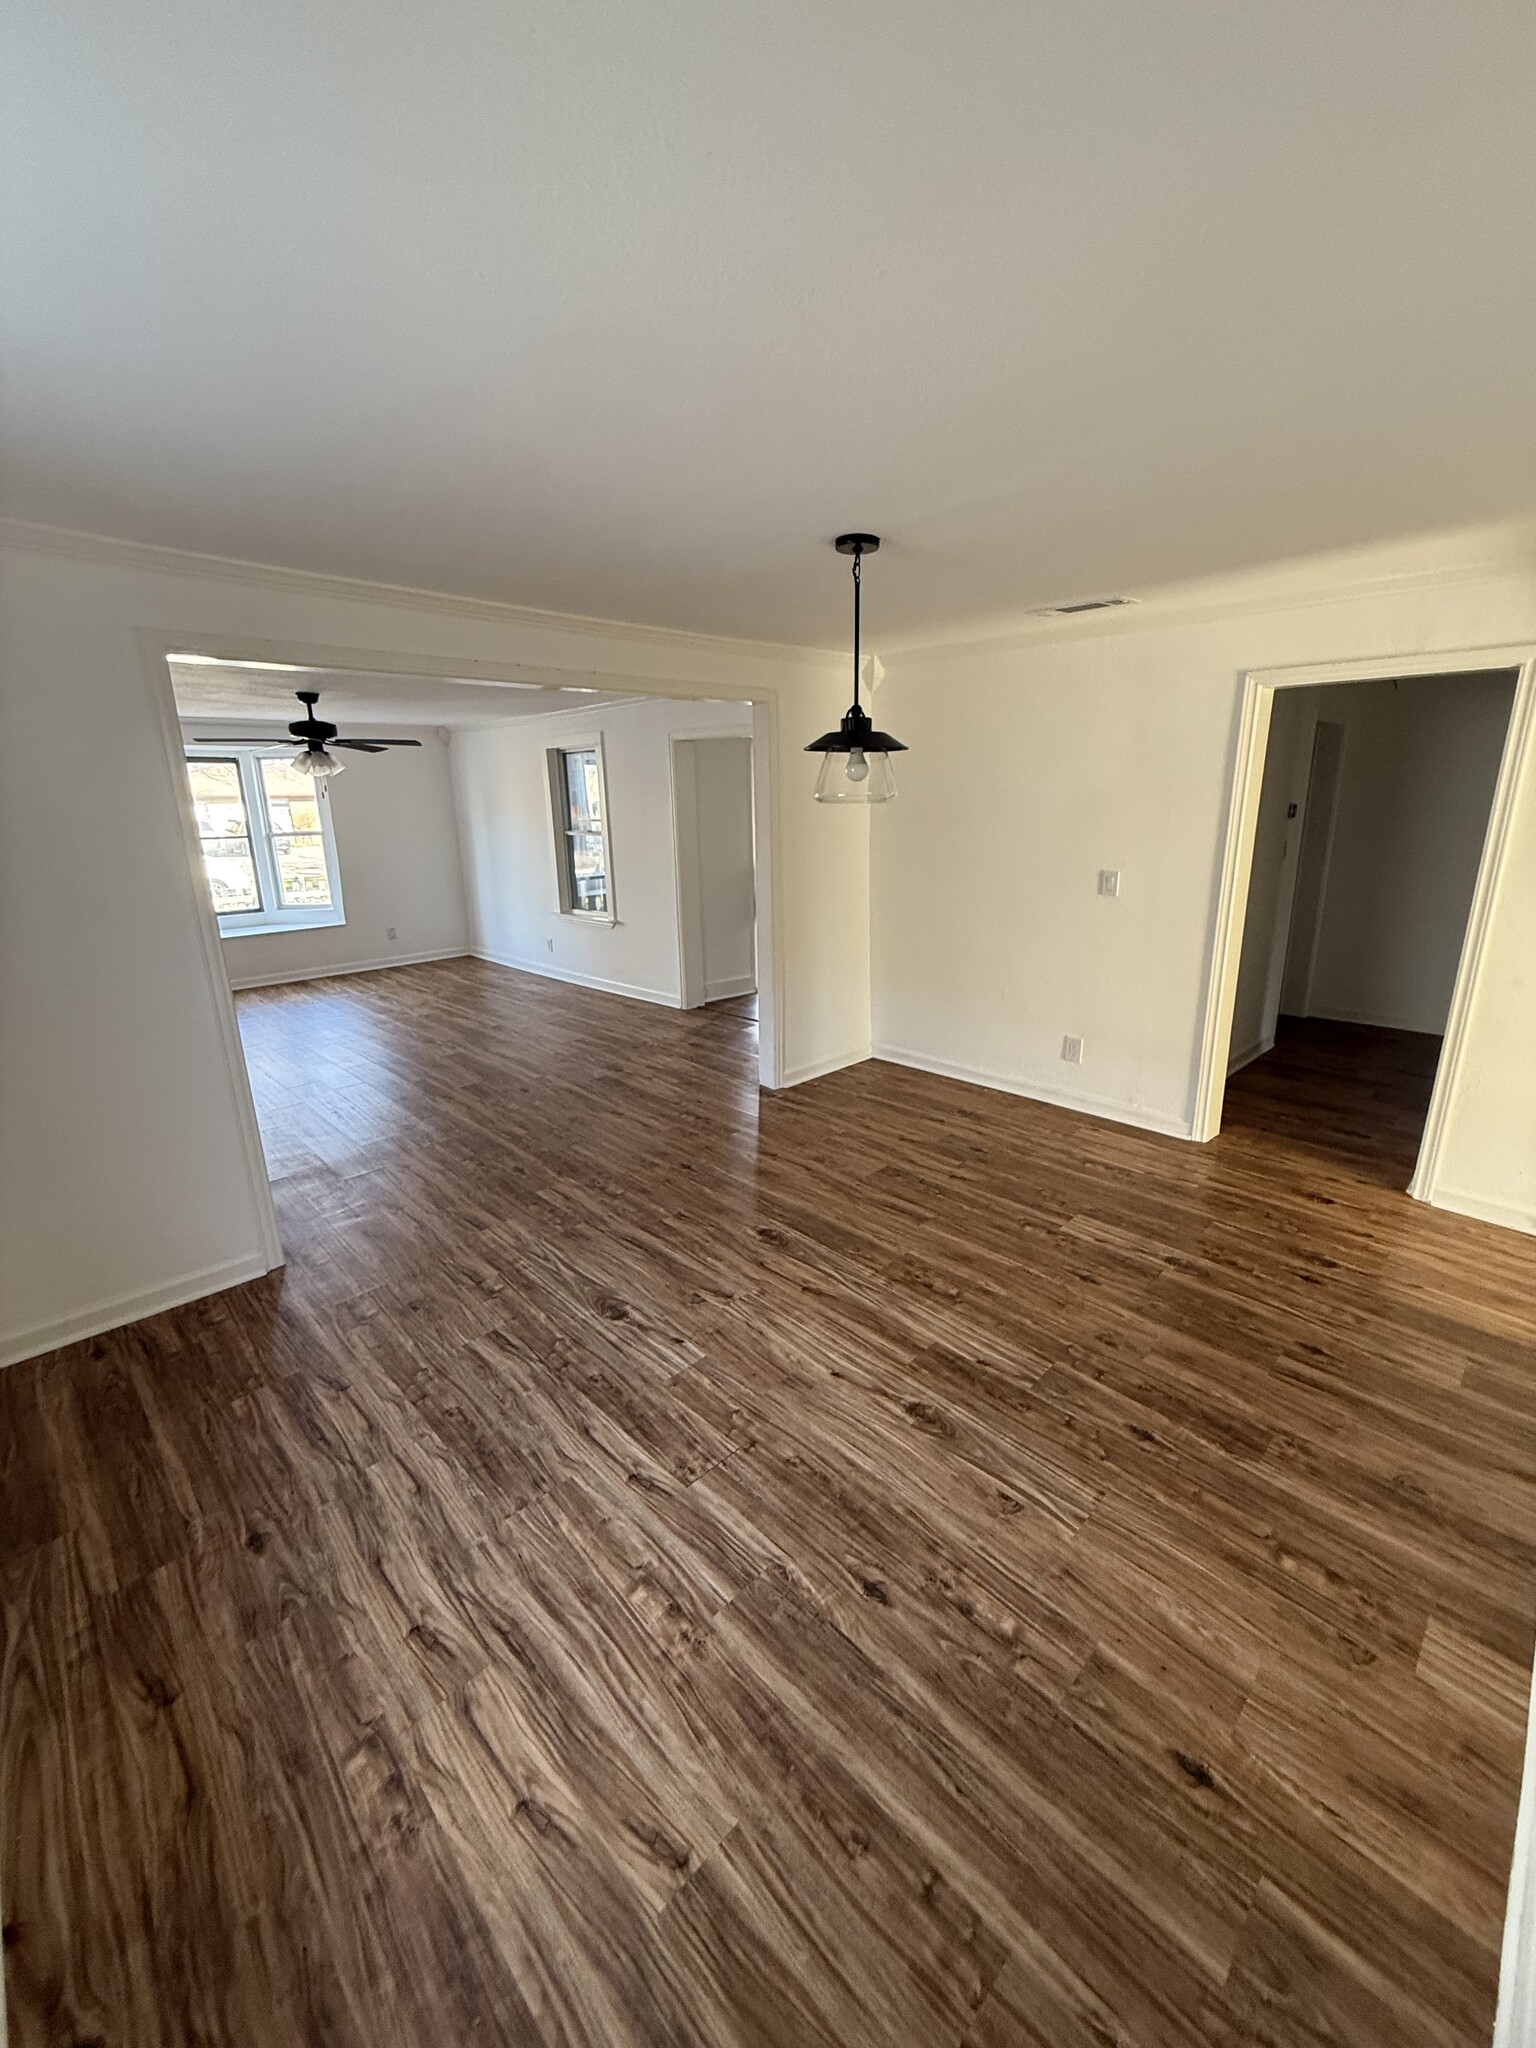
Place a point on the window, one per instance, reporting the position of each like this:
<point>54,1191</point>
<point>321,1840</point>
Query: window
<point>266,837</point>
<point>581,832</point>
<point>218,802</point>
<point>298,843</point>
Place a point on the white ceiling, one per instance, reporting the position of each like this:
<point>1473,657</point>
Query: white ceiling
<point>357,701</point>
<point>626,310</point>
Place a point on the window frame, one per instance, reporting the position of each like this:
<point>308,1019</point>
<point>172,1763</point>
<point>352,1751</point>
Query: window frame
<point>278,917</point>
<point>561,833</point>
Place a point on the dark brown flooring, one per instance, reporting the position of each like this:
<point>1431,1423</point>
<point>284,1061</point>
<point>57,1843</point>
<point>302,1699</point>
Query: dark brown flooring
<point>885,1564</point>
<point>1349,1096</point>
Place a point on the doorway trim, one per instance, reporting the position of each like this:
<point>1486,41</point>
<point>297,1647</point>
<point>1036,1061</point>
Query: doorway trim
<point>157,645</point>
<point>1257,703</point>
<point>155,650</point>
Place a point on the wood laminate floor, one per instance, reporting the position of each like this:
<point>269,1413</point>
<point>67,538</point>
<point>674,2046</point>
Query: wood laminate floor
<point>886,1564</point>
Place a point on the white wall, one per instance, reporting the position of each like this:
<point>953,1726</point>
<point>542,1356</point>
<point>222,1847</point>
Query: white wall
<point>1421,757</point>
<point>1034,765</point>
<point>509,861</point>
<point>722,859</point>
<point>397,847</point>
<point>126,1179</point>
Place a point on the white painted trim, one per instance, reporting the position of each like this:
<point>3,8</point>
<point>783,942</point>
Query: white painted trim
<point>128,1308</point>
<point>1259,686</point>
<point>768,825</point>
<point>1514,766</point>
<point>277,929</point>
<point>733,985</point>
<point>666,997</point>
<point>1319,580</point>
<point>151,559</point>
<point>1256,1051</point>
<point>153,649</point>
<point>1109,1110</point>
<point>1505,1214</point>
<point>333,972</point>
<point>814,1069</point>
<point>1375,1019</point>
<point>1231,908</point>
<point>1234,594</point>
<point>1514,2023</point>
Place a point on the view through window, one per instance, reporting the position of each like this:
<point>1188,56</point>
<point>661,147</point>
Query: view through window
<point>267,847</point>
<point>584,840</point>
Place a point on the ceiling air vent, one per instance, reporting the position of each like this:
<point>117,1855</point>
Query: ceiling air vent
<point>1083,604</point>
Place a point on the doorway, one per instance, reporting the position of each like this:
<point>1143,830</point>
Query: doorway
<point>1371,799</point>
<point>715,840</point>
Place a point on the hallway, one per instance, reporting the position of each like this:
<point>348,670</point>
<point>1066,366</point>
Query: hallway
<point>888,1563</point>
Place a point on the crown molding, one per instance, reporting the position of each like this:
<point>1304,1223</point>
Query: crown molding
<point>148,557</point>
<point>1488,554</point>
<point>1312,581</point>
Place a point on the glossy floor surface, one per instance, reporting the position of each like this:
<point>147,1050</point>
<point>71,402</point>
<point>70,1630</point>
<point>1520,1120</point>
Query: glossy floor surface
<point>888,1564</point>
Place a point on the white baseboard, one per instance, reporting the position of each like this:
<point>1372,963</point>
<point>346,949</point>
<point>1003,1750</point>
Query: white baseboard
<point>1107,1107</point>
<point>548,971</point>
<point>1249,1054</point>
<point>130,1308</point>
<point>1375,1020</point>
<point>733,985</point>
<point>1514,2024</point>
<point>1508,1215</point>
<point>329,973</point>
<point>814,1069</point>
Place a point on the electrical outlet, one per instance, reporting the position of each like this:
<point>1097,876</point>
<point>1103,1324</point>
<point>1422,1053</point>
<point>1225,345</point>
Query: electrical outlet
<point>1072,1051</point>
<point>389,931</point>
<point>1109,881</point>
<point>550,944</point>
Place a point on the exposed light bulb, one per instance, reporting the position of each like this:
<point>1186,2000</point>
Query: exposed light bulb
<point>858,765</point>
<point>317,762</point>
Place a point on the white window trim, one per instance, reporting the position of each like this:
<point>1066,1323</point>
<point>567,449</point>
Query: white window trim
<point>278,917</point>
<point>554,790</point>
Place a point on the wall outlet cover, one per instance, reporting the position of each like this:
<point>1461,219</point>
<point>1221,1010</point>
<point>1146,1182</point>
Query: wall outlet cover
<point>389,931</point>
<point>1072,1051</point>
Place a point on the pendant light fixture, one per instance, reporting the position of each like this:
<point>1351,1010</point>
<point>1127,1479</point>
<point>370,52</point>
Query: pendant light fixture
<point>856,759</point>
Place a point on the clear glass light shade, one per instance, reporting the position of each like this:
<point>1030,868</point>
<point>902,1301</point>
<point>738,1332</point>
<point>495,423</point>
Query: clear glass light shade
<point>857,777</point>
<point>309,761</point>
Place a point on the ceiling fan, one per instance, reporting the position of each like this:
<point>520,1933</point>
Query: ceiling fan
<point>316,736</point>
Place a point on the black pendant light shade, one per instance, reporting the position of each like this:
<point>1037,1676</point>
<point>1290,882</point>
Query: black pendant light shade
<point>856,763</point>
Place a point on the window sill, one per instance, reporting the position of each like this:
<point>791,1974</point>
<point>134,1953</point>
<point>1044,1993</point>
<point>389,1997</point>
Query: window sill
<point>281,924</point>
<point>601,917</point>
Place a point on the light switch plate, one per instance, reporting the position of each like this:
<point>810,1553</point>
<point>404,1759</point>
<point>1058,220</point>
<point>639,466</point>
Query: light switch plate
<point>1109,881</point>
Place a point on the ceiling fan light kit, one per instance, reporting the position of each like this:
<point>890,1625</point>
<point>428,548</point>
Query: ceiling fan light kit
<point>317,736</point>
<point>856,757</point>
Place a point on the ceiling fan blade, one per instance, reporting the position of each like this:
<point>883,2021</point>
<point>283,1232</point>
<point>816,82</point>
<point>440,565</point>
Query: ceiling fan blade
<point>267,745</point>
<point>374,746</point>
